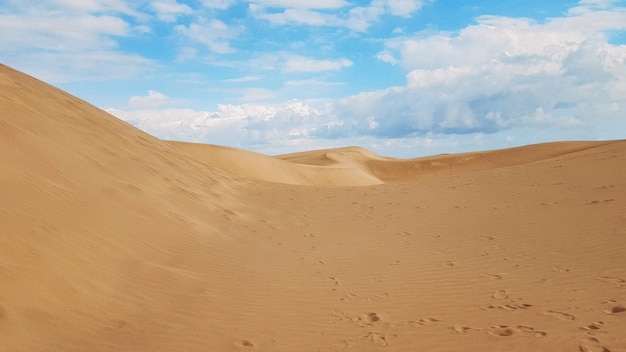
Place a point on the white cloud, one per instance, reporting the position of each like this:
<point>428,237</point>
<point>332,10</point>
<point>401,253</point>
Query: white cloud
<point>213,33</point>
<point>154,99</point>
<point>311,82</point>
<point>170,10</point>
<point>355,18</point>
<point>74,6</point>
<point>404,8</point>
<point>218,4</point>
<point>514,80</point>
<point>257,94</point>
<point>302,4</point>
<point>386,56</point>
<point>60,33</point>
<point>295,63</point>
<point>289,127</point>
<point>187,54</point>
<point>495,42</point>
<point>142,29</point>
<point>585,6</point>
<point>68,40</point>
<point>499,74</point>
<point>291,63</point>
<point>242,79</point>
<point>361,18</point>
<point>234,125</point>
<point>299,16</point>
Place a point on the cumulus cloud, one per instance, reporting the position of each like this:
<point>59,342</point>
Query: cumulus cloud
<point>60,33</point>
<point>505,77</point>
<point>299,16</point>
<point>386,56</point>
<point>65,40</point>
<point>284,128</point>
<point>498,74</point>
<point>213,33</point>
<point>311,83</point>
<point>257,94</point>
<point>74,6</point>
<point>302,4</point>
<point>355,18</point>
<point>154,99</point>
<point>296,63</point>
<point>242,125</point>
<point>404,8</point>
<point>170,10</point>
<point>242,79</point>
<point>292,63</point>
<point>98,65</point>
<point>496,77</point>
<point>586,6</point>
<point>218,4</point>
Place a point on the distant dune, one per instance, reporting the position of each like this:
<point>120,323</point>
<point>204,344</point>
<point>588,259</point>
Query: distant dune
<point>114,240</point>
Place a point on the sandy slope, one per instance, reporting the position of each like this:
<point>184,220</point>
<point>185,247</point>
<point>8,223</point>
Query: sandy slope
<point>112,240</point>
<point>259,167</point>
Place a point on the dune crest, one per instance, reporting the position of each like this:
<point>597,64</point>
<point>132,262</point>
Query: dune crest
<point>113,240</point>
<point>357,166</point>
<point>254,166</point>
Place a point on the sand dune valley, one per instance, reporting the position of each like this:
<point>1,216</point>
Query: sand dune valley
<point>114,240</point>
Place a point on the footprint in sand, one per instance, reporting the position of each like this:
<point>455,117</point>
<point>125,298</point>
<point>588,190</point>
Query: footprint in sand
<point>349,297</point>
<point>500,294</point>
<point>380,340</point>
<point>244,343</point>
<point>619,282</point>
<point>493,276</point>
<point>332,280</point>
<point>505,331</point>
<point>366,319</point>
<point>530,331</point>
<point>397,262</point>
<point>615,310</point>
<point>462,329</point>
<point>593,326</point>
<point>600,201</point>
<point>422,321</point>
<point>501,330</point>
<point>511,307</point>
<point>587,348</point>
<point>592,344</point>
<point>338,346</point>
<point>448,264</point>
<point>559,315</point>
<point>371,318</point>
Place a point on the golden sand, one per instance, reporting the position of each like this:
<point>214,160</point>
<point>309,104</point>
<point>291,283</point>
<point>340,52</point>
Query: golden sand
<point>114,240</point>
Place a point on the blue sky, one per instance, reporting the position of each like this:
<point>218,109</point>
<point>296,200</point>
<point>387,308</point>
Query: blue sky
<point>400,77</point>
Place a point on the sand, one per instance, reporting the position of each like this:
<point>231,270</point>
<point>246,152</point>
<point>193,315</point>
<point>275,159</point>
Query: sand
<point>114,240</point>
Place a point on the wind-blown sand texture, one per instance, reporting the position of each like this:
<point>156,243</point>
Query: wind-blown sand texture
<point>113,240</point>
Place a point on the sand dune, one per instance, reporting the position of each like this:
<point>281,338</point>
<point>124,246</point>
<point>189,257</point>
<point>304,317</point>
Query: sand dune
<point>356,166</point>
<point>113,240</point>
<point>259,167</point>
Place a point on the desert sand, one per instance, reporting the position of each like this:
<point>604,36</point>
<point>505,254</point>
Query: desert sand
<point>114,240</point>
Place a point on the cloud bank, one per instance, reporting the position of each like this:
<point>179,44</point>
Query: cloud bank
<point>500,76</point>
<point>283,75</point>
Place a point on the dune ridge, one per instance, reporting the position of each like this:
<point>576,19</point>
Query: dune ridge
<point>115,240</point>
<point>258,167</point>
<point>357,166</point>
